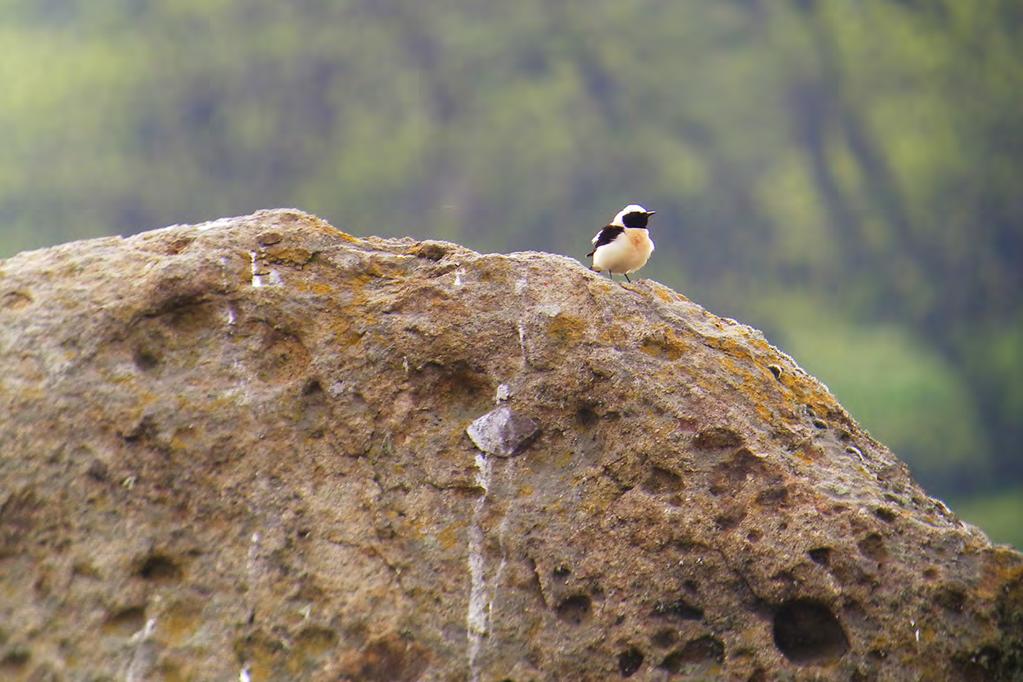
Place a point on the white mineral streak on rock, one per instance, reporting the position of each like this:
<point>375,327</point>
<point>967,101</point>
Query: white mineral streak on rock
<point>477,617</point>
<point>143,658</point>
<point>502,433</point>
<point>257,279</point>
<point>253,554</point>
<point>263,279</point>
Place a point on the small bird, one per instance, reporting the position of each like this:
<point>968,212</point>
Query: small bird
<point>624,245</point>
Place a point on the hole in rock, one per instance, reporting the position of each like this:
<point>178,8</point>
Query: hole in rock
<point>662,481</point>
<point>885,514</point>
<point>15,299</point>
<point>664,638</point>
<point>312,387</point>
<point>586,416</point>
<point>126,621</point>
<point>158,567</point>
<point>459,384</point>
<point>717,438</point>
<point>144,429</point>
<point>980,665</point>
<point>727,522</point>
<point>629,662</point>
<point>806,631</point>
<point>672,662</point>
<point>97,471</point>
<point>14,660</point>
<point>186,313</point>
<point>282,356</point>
<point>391,659</point>
<point>731,475</point>
<point>680,609</point>
<point>314,642</point>
<point>821,555</point>
<point>873,547</point>
<point>145,359</point>
<point>951,598</point>
<point>178,245</point>
<point>773,497</point>
<point>703,650</point>
<point>574,610</point>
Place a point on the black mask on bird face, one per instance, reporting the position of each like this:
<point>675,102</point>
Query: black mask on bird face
<point>637,218</point>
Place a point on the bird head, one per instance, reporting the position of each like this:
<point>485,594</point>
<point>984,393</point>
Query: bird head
<point>632,215</point>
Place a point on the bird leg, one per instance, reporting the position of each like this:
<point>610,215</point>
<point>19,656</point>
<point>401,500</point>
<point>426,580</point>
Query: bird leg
<point>612,277</point>
<point>627,278</point>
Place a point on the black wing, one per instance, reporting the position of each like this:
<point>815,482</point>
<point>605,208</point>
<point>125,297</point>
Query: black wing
<point>605,236</point>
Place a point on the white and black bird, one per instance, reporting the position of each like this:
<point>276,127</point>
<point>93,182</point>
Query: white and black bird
<point>624,245</point>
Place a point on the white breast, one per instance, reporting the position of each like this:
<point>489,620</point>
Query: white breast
<point>627,253</point>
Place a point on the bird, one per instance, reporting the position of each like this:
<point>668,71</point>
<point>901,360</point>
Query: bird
<point>624,245</point>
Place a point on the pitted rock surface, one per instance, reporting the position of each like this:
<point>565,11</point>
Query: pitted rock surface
<point>239,450</point>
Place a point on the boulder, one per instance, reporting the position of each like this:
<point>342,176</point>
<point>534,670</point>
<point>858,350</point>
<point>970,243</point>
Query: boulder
<point>263,449</point>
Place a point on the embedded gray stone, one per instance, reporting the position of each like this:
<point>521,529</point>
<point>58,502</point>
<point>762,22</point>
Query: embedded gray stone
<point>502,432</point>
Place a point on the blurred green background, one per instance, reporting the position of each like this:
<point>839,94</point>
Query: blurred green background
<point>847,176</point>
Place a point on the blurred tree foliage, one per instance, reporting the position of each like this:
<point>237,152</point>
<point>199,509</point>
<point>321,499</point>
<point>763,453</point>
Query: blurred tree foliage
<point>846,175</point>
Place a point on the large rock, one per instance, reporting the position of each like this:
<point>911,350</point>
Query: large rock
<point>262,449</point>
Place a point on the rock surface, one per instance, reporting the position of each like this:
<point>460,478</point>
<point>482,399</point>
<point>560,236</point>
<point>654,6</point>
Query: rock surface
<point>239,450</point>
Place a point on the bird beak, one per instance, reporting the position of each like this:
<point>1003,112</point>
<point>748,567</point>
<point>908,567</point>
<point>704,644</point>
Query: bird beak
<point>651,212</point>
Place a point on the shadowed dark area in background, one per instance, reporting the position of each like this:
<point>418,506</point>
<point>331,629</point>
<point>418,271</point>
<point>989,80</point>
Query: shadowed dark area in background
<point>843,175</point>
